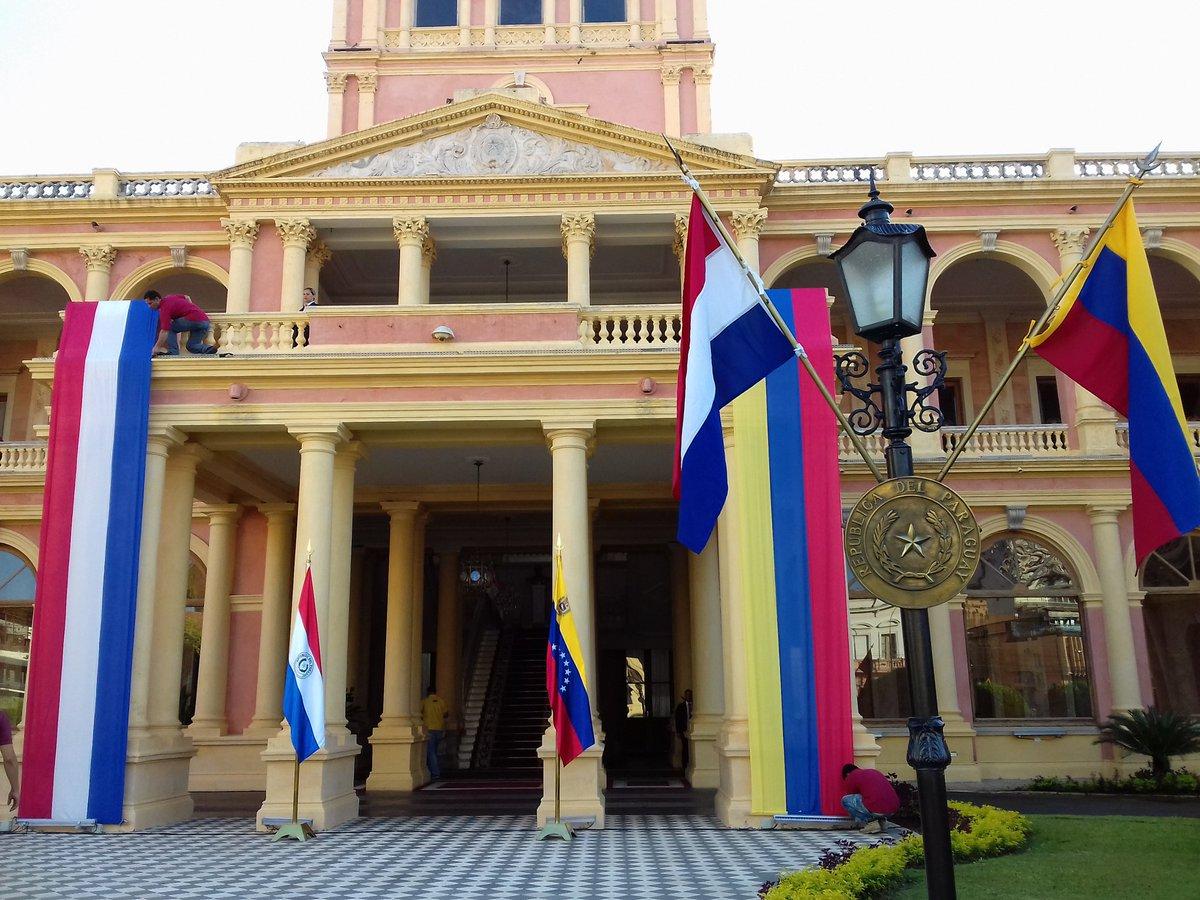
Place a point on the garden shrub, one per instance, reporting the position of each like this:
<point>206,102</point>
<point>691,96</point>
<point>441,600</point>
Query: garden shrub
<point>852,872</point>
<point>1178,781</point>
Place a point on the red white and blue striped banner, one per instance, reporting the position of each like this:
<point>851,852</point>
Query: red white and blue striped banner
<point>77,715</point>
<point>304,680</point>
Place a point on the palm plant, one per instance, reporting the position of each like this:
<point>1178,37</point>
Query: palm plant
<point>1153,733</point>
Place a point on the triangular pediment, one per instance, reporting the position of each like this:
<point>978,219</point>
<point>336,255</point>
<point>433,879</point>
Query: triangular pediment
<point>488,136</point>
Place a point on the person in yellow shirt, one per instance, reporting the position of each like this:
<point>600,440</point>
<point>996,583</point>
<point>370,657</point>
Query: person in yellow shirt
<point>433,711</point>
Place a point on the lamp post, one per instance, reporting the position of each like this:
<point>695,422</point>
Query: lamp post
<point>884,269</point>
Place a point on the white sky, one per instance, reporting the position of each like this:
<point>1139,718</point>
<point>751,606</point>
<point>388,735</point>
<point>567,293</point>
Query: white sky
<point>151,85</point>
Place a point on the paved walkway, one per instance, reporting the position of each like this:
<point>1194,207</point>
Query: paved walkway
<point>465,858</point>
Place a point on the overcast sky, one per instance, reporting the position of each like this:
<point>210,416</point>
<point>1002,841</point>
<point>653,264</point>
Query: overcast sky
<point>151,85</point>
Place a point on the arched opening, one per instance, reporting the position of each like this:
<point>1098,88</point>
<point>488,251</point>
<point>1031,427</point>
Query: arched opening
<point>32,303</point>
<point>205,291</point>
<point>18,584</point>
<point>1026,651</point>
<point>1171,608</point>
<point>984,309</point>
<point>819,272</point>
<point>1178,296</point>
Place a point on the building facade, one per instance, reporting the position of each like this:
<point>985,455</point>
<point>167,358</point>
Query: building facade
<point>494,229</point>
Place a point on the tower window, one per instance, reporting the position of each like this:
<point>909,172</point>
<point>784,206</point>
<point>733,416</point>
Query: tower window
<point>604,10</point>
<point>520,12</point>
<point>435,13</point>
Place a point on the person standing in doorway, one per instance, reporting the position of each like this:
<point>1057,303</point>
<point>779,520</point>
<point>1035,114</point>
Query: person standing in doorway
<point>683,721</point>
<point>433,712</point>
<point>9,757</point>
<point>177,314</point>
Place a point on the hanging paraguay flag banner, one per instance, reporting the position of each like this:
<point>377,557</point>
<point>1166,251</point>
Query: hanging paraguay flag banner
<point>77,715</point>
<point>794,576</point>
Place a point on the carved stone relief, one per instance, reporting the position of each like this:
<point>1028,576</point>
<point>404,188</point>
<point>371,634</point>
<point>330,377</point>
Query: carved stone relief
<point>494,147</point>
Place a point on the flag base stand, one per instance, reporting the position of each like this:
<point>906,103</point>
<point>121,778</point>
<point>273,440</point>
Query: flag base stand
<point>295,829</point>
<point>556,828</point>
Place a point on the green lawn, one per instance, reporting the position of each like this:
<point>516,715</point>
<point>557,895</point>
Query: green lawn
<point>1088,857</point>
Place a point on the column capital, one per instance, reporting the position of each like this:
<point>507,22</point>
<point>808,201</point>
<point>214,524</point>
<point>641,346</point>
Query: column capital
<point>578,227</point>
<point>569,434</point>
<point>276,510</point>
<point>314,434</point>
<point>241,232</point>
<point>1070,240</point>
<point>335,82</point>
<point>748,223</point>
<point>702,74</point>
<point>99,258</point>
<point>410,230</point>
<point>219,513</point>
<point>162,438</point>
<point>671,74</point>
<point>401,509</point>
<point>295,232</point>
<point>349,454</point>
<point>319,253</point>
<point>367,82</point>
<point>1102,514</point>
<point>188,456</point>
<point>681,229</point>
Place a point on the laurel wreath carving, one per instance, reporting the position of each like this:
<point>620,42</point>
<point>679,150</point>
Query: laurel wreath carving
<point>937,565</point>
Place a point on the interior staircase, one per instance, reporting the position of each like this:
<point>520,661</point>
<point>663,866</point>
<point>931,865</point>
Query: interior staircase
<point>516,708</point>
<point>476,694</point>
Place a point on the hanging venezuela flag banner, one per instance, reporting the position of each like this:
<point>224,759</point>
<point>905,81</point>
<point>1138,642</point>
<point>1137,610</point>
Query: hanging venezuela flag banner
<point>785,462</point>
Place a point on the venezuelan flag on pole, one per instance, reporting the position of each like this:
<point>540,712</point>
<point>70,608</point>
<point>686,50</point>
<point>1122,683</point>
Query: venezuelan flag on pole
<point>793,576</point>
<point>566,680</point>
<point>1108,336</point>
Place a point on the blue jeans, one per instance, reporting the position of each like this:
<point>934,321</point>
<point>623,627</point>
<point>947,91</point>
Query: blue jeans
<point>431,753</point>
<point>197,333</point>
<point>853,804</point>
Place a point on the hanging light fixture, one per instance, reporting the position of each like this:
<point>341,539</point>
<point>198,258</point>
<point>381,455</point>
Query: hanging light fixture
<point>476,571</point>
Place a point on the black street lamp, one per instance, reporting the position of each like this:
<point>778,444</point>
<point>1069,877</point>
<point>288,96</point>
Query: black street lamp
<point>884,269</point>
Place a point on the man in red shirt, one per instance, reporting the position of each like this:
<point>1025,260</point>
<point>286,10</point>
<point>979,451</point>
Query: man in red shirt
<point>870,797</point>
<point>177,314</point>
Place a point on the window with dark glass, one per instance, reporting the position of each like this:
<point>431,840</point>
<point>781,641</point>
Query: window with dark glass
<point>604,10</point>
<point>17,587</point>
<point>880,677</point>
<point>1171,609</point>
<point>1025,645</point>
<point>520,12</point>
<point>1049,411</point>
<point>950,401</point>
<point>435,13</point>
<point>1189,393</point>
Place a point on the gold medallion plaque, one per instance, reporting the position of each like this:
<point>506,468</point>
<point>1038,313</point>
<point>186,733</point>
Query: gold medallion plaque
<point>912,542</point>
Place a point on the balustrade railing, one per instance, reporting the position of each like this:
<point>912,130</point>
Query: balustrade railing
<point>1124,166</point>
<point>630,329</point>
<point>166,187</point>
<point>978,170</point>
<point>64,189</point>
<point>260,333</point>
<point>828,173</point>
<point>22,456</point>
<point>1010,440</point>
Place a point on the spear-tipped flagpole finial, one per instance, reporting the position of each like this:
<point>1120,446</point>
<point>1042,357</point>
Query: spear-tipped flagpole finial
<point>1150,162</point>
<point>308,554</point>
<point>558,544</point>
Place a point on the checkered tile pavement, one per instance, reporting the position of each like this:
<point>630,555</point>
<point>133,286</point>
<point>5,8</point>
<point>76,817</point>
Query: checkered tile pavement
<point>460,857</point>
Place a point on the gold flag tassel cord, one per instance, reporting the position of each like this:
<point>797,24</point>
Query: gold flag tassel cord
<point>755,280</point>
<point>1144,166</point>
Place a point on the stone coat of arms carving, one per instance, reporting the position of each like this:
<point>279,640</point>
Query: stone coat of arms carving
<point>494,147</point>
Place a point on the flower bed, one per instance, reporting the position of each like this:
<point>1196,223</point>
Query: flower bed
<point>1179,781</point>
<point>854,872</point>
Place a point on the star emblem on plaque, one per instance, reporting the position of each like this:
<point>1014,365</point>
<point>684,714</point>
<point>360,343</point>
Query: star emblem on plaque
<point>912,542</point>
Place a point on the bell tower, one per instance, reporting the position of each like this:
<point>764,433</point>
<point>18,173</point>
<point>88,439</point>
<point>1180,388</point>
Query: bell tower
<point>642,63</point>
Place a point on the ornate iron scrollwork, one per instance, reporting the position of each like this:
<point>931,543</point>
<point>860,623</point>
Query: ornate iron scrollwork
<point>867,418</point>
<point>929,364</point>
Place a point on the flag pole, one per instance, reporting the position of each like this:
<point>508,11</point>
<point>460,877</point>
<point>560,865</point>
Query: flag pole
<point>756,281</point>
<point>1148,164</point>
<point>556,828</point>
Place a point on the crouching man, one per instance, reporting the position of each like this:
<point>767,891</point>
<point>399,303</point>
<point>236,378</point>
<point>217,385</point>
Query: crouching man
<point>870,797</point>
<point>177,314</point>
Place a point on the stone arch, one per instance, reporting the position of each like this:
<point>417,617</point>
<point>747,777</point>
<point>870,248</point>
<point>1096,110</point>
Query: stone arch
<point>543,89</point>
<point>1054,536</point>
<point>1180,252</point>
<point>199,549</point>
<point>1041,272</point>
<point>45,269</point>
<point>138,281</point>
<point>16,541</point>
<point>790,260</point>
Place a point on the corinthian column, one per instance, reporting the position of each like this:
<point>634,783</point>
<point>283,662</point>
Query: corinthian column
<point>367,82</point>
<point>428,258</point>
<point>296,235</point>
<point>411,234</point>
<point>318,255</point>
<point>579,235</point>
<point>242,235</point>
<point>209,720</point>
<point>335,84</point>
<point>747,226</point>
<point>703,77</point>
<point>1095,424</point>
<point>673,122</point>
<point>99,262</point>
